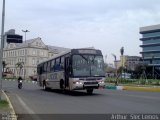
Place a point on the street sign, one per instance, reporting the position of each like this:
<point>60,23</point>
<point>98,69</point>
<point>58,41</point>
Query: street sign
<point>14,39</point>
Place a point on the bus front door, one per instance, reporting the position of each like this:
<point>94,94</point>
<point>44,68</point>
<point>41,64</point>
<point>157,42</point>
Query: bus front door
<point>67,70</point>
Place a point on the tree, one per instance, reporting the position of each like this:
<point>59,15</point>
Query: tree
<point>20,66</point>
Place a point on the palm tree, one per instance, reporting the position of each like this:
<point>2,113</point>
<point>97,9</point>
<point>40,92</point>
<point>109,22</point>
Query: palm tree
<point>20,66</point>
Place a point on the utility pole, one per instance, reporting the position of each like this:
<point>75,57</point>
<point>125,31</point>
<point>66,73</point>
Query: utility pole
<point>122,52</point>
<point>106,59</point>
<point>2,45</point>
<point>115,62</point>
<point>152,67</point>
<point>25,31</point>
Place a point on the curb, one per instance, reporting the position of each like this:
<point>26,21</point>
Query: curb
<point>151,89</point>
<point>12,115</point>
<point>115,87</point>
<point>134,88</point>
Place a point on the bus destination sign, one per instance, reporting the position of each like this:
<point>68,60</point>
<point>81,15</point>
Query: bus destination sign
<point>87,51</point>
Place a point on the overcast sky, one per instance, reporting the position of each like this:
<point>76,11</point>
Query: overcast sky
<point>105,24</point>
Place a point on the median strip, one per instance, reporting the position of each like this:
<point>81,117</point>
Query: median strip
<point>152,89</point>
<point>136,88</point>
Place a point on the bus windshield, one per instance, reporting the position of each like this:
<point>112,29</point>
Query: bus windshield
<point>88,65</point>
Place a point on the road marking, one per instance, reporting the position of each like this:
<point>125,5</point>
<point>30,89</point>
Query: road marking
<point>146,97</point>
<point>29,110</point>
<point>138,96</point>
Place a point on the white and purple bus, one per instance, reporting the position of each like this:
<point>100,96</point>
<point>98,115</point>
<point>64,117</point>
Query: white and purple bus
<point>76,69</point>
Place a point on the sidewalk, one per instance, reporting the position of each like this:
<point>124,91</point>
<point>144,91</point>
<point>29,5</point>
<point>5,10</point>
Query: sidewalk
<point>7,113</point>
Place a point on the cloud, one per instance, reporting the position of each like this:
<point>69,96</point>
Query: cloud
<point>104,24</point>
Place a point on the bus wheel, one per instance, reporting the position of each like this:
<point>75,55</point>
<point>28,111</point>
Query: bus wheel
<point>61,84</point>
<point>89,91</point>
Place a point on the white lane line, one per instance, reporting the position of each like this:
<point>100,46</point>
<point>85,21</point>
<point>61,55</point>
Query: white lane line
<point>29,110</point>
<point>137,96</point>
<point>146,97</point>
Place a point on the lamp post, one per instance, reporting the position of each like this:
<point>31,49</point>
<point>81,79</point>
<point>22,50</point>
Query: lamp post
<point>106,59</point>
<point>2,45</point>
<point>25,31</point>
<point>115,61</point>
<point>152,67</point>
<point>122,52</point>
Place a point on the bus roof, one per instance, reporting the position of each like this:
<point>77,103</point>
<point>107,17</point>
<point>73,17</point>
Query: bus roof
<point>75,51</point>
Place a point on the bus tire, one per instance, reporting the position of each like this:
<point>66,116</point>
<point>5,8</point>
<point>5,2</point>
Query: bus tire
<point>90,91</point>
<point>61,84</point>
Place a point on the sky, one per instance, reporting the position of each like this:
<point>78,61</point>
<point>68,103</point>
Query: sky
<point>107,25</point>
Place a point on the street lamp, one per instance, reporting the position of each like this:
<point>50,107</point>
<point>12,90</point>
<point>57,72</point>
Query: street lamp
<point>2,45</point>
<point>122,52</point>
<point>152,67</point>
<point>106,59</point>
<point>115,61</point>
<point>25,31</point>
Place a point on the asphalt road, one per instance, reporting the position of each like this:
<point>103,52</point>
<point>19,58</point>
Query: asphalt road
<point>31,99</point>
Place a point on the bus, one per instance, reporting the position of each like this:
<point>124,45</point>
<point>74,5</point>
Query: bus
<point>75,69</point>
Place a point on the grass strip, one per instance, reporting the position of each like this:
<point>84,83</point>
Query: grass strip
<point>152,89</point>
<point>3,103</point>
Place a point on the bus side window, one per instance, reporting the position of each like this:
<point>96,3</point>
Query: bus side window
<point>62,63</point>
<point>52,65</point>
<point>41,69</point>
<point>48,66</point>
<point>57,64</point>
<point>45,67</point>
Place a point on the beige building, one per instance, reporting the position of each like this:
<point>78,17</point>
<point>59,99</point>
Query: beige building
<point>31,52</point>
<point>129,62</point>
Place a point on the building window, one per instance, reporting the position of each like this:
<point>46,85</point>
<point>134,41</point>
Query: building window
<point>33,61</point>
<point>22,52</point>
<point>42,53</point>
<point>34,52</point>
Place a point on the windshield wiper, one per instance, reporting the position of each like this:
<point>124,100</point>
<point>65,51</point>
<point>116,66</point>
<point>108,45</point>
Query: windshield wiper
<point>84,58</point>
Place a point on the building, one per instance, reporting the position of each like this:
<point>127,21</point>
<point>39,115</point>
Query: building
<point>131,62</point>
<point>11,37</point>
<point>31,52</point>
<point>128,62</point>
<point>151,44</point>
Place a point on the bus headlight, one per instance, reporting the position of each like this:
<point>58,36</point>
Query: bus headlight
<point>78,82</point>
<point>101,82</point>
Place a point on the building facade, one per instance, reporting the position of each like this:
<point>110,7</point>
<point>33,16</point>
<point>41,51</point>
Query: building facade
<point>151,44</point>
<point>128,62</point>
<point>31,52</point>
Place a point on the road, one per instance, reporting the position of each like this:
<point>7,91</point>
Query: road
<point>31,99</point>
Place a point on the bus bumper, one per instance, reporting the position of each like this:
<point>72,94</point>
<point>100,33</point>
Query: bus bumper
<point>86,86</point>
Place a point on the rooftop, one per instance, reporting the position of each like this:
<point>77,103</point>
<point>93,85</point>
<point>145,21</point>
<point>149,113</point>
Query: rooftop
<point>151,28</point>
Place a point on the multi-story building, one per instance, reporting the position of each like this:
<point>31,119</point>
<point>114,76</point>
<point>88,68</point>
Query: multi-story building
<point>30,52</point>
<point>151,44</point>
<point>128,62</point>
